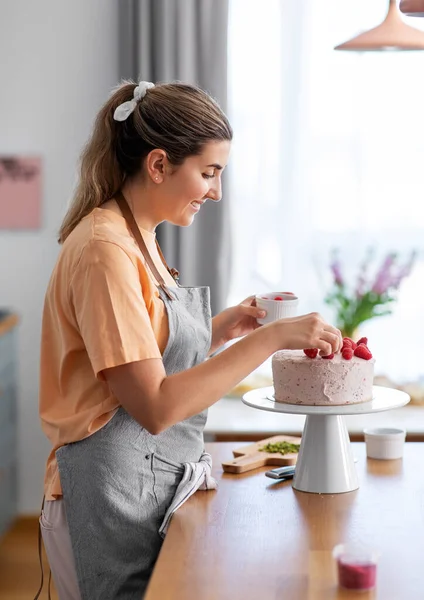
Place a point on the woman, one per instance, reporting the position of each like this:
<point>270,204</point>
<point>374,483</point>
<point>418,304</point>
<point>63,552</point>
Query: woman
<point>124,382</point>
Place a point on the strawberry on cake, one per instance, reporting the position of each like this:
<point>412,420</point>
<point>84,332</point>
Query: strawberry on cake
<point>303,377</point>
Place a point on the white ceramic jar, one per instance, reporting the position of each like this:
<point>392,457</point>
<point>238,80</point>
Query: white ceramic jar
<point>385,443</point>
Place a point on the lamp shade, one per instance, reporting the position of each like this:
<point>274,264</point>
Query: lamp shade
<point>413,8</point>
<point>391,34</point>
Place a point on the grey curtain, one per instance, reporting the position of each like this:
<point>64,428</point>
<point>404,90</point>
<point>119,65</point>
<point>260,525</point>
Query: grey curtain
<point>185,40</point>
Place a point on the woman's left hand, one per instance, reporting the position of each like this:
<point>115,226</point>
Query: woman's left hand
<point>235,322</point>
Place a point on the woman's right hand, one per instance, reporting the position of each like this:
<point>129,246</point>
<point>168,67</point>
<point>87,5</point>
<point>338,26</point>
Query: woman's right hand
<point>153,398</point>
<point>306,331</point>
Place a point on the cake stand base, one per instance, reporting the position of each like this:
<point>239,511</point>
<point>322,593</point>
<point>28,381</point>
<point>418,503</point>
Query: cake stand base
<point>325,464</point>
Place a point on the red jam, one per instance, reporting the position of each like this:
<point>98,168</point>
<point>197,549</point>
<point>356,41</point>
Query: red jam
<point>357,576</point>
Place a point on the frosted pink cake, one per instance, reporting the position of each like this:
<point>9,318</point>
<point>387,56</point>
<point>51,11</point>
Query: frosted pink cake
<point>300,379</point>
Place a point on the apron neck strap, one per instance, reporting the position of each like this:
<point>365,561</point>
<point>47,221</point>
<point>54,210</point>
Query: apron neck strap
<point>132,224</point>
<point>173,272</point>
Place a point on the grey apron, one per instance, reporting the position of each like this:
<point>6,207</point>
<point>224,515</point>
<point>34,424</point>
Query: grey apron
<point>119,483</point>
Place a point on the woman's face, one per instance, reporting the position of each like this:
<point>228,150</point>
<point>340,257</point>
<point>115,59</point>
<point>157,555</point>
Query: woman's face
<point>185,189</point>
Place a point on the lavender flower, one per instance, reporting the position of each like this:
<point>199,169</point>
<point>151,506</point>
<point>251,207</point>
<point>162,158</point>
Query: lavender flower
<point>337,272</point>
<point>384,276</point>
<point>362,277</point>
<point>360,286</point>
<point>367,300</point>
<point>404,271</point>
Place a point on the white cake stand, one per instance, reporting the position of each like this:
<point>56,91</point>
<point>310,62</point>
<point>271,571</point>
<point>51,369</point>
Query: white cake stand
<point>325,463</point>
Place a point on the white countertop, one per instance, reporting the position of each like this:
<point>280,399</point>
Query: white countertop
<point>231,416</point>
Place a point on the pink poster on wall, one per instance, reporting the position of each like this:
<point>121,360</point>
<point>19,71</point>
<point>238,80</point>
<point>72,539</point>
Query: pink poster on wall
<point>20,192</point>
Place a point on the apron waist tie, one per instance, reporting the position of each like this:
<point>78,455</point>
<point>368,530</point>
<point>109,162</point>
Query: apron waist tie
<point>197,476</point>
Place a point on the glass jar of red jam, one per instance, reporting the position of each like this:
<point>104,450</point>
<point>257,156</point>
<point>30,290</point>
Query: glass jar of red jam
<point>356,566</point>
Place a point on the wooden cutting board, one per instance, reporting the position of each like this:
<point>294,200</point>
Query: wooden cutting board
<point>249,457</point>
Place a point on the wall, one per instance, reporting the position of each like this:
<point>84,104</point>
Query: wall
<point>58,62</point>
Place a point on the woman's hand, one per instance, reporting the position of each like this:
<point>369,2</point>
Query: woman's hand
<point>234,322</point>
<point>307,331</point>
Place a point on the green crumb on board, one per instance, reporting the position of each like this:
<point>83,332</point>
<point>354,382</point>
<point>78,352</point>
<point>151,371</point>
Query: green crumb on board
<point>281,447</point>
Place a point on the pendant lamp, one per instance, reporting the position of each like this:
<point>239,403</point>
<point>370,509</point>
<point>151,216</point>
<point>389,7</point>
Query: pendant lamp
<point>391,34</point>
<point>413,8</point>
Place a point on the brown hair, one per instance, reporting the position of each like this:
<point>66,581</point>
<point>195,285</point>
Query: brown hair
<point>176,117</point>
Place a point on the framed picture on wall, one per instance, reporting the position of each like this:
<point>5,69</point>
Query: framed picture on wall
<point>20,192</point>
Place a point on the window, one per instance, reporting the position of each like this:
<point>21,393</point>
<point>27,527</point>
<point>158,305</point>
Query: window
<point>328,152</point>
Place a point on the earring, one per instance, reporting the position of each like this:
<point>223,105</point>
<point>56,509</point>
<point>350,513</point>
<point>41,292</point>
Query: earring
<point>156,178</point>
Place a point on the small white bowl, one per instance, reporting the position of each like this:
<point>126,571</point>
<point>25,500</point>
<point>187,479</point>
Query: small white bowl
<point>277,309</point>
<point>385,443</point>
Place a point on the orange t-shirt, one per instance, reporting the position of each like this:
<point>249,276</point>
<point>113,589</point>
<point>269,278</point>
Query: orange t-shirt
<point>102,309</point>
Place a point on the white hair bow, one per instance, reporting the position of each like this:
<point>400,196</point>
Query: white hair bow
<point>124,110</point>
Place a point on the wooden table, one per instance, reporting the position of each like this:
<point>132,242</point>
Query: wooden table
<point>258,540</point>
